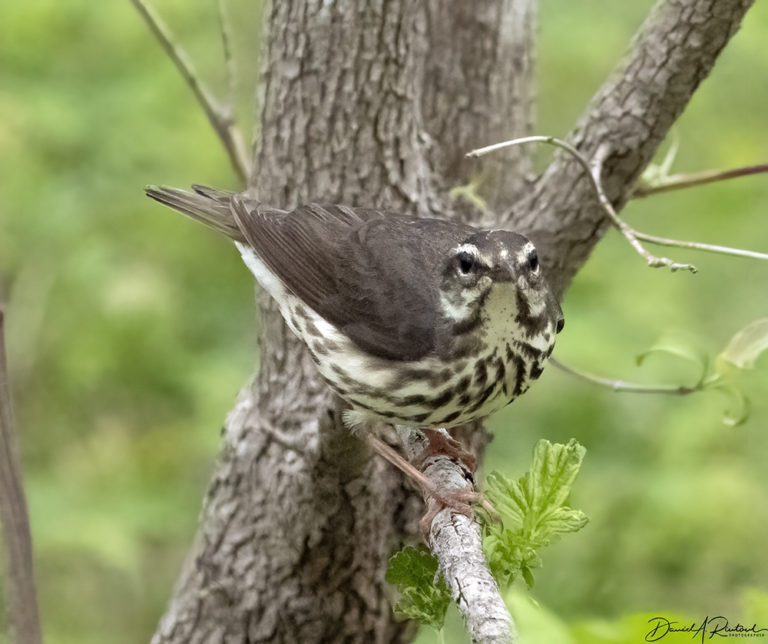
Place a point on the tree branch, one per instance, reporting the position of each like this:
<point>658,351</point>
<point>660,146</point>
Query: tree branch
<point>455,539</point>
<point>220,117</point>
<point>673,51</point>
<point>20,591</point>
<point>690,180</point>
<point>225,27</point>
<point>593,174</point>
<point>623,386</point>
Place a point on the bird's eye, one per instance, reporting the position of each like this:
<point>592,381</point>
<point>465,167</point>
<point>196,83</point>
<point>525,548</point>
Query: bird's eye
<point>466,263</point>
<point>533,262</point>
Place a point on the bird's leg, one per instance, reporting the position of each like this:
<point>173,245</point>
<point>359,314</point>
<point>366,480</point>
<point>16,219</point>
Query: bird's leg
<point>441,444</point>
<point>403,464</point>
<point>437,498</point>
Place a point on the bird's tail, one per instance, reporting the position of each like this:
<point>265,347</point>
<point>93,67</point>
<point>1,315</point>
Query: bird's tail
<point>207,205</point>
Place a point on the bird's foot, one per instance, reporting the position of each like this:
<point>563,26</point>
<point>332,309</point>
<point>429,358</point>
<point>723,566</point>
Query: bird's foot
<point>441,444</point>
<point>460,500</point>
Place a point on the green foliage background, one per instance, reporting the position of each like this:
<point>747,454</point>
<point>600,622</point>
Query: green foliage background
<point>131,330</point>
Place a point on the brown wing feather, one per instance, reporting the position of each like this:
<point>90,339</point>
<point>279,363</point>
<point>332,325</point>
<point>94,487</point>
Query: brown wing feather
<point>374,275</point>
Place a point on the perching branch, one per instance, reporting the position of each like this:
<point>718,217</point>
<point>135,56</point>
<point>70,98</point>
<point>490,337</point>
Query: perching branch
<point>633,236</point>
<point>455,540</point>
<point>220,117</point>
<point>680,181</point>
<point>21,598</point>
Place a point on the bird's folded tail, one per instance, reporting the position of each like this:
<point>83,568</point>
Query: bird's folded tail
<point>207,205</point>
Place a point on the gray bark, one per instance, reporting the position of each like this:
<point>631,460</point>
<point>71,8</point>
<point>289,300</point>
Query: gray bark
<point>15,537</point>
<point>371,106</point>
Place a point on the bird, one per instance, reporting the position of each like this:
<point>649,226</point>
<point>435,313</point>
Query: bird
<point>421,322</point>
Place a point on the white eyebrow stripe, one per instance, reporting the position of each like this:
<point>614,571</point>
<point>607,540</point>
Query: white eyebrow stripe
<point>468,248</point>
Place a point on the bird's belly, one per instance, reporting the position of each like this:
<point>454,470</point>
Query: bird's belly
<point>431,392</point>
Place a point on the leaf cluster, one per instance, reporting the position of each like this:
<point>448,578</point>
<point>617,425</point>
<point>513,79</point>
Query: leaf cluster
<point>533,511</point>
<point>424,597</point>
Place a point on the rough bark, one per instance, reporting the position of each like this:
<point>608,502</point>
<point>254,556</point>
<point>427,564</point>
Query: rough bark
<point>478,88</point>
<point>365,106</point>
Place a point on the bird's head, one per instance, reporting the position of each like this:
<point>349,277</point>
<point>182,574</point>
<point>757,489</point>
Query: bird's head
<point>498,269</point>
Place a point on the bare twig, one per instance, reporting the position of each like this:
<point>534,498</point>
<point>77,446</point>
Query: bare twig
<point>14,517</point>
<point>219,117</point>
<point>594,173</point>
<point>679,181</point>
<point>456,541</point>
<point>709,248</point>
<point>623,386</point>
<point>225,26</point>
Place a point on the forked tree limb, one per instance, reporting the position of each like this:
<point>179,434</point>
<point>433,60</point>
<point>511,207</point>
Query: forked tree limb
<point>627,119</point>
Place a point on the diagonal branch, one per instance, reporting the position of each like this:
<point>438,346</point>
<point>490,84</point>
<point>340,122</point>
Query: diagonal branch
<point>14,520</point>
<point>690,180</point>
<point>456,541</point>
<point>220,117</point>
<point>593,174</point>
<point>634,237</point>
<point>674,50</point>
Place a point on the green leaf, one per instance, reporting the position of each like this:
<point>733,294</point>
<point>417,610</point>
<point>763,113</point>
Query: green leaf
<point>470,193</point>
<point>533,510</point>
<point>656,174</point>
<point>739,409</point>
<point>424,596</point>
<point>745,347</point>
<point>683,346</point>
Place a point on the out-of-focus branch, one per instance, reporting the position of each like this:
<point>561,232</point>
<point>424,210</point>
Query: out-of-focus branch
<point>20,591</point>
<point>220,117</point>
<point>690,180</point>
<point>225,27</point>
<point>623,386</point>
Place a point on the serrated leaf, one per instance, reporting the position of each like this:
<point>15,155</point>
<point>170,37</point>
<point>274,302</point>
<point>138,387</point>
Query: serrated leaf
<point>410,566</point>
<point>533,510</point>
<point>746,346</point>
<point>682,346</point>
<point>424,596</point>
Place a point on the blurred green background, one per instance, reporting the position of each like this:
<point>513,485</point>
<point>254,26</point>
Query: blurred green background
<point>131,330</point>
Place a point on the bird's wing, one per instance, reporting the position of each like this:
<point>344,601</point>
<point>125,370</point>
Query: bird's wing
<point>374,275</point>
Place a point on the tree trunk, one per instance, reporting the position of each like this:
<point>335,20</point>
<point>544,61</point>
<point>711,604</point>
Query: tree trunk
<point>375,105</point>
